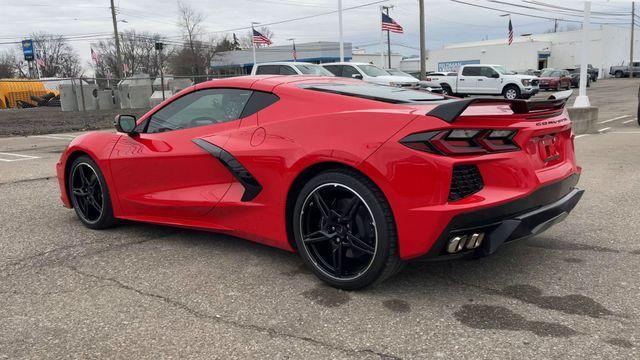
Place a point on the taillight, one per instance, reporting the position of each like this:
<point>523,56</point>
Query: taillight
<point>462,141</point>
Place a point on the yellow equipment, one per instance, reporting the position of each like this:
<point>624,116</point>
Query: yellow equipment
<point>12,90</point>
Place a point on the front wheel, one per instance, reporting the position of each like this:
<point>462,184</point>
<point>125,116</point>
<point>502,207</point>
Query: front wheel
<point>618,74</point>
<point>89,194</point>
<point>344,230</point>
<point>511,92</point>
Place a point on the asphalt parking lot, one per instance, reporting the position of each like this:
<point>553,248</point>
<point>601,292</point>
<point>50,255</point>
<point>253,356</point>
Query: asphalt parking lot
<point>145,291</point>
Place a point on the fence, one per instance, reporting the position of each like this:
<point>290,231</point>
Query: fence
<point>90,93</point>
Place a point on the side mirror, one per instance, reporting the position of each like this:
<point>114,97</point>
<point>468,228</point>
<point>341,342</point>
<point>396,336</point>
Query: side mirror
<point>357,76</point>
<point>125,124</point>
<point>495,75</point>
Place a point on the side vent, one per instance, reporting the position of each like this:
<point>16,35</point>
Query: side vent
<point>466,180</point>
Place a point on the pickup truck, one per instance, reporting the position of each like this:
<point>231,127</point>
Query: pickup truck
<point>484,79</point>
<point>623,70</point>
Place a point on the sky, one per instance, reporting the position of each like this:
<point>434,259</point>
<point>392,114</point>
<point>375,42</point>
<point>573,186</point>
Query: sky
<point>447,21</point>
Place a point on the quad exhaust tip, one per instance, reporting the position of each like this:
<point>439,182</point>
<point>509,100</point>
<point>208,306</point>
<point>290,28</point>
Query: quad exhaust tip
<point>461,242</point>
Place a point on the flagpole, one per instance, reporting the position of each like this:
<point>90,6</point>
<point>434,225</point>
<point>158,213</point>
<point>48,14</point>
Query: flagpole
<point>340,30</point>
<point>381,40</point>
<point>253,45</point>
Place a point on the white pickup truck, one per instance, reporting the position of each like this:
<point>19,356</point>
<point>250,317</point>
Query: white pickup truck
<point>485,79</point>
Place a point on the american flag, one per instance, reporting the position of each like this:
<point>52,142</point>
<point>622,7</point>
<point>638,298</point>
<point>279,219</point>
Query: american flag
<point>510,32</point>
<point>294,53</point>
<point>260,39</point>
<point>390,25</point>
<point>94,57</point>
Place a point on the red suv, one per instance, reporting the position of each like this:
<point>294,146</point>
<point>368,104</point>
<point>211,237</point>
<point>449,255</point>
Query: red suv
<point>554,79</point>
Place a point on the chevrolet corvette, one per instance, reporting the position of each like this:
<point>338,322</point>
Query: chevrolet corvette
<point>358,178</point>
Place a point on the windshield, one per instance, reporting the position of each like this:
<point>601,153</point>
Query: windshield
<point>372,70</point>
<point>399,73</point>
<point>308,69</point>
<point>550,73</point>
<point>503,70</point>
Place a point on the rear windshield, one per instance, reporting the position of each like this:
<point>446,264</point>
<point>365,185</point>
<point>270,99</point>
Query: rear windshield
<point>381,93</point>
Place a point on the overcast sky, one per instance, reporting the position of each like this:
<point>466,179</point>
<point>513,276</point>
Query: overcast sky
<point>447,21</point>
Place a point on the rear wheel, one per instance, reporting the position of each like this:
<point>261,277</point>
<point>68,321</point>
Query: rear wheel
<point>344,230</point>
<point>511,92</point>
<point>89,194</point>
<point>618,74</point>
<point>446,89</point>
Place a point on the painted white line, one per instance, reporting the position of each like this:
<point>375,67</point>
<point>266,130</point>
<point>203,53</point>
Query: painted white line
<point>624,132</point>
<point>604,129</point>
<point>630,120</point>
<point>55,137</point>
<point>16,157</point>
<point>614,119</point>
<point>583,135</point>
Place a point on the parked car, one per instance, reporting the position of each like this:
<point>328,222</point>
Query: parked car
<point>623,70</point>
<point>356,178</point>
<point>489,80</point>
<point>426,84</point>
<point>289,68</point>
<point>555,79</point>
<point>593,72</point>
<point>370,73</point>
<point>574,74</point>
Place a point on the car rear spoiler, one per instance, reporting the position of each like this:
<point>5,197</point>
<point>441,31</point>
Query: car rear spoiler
<point>450,111</point>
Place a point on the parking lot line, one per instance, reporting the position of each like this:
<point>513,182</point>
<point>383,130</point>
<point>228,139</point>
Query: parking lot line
<point>579,136</point>
<point>630,120</point>
<point>604,129</point>
<point>56,137</point>
<point>7,157</point>
<point>614,119</point>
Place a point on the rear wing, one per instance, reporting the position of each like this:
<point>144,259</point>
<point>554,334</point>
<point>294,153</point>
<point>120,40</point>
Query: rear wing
<point>450,111</point>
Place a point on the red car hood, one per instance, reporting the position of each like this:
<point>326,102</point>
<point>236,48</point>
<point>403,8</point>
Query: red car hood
<point>549,78</point>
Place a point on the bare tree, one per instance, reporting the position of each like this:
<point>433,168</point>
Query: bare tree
<point>58,58</point>
<point>138,53</point>
<point>8,64</point>
<point>191,23</point>
<point>247,40</point>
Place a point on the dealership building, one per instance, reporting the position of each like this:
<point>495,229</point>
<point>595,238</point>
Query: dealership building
<point>608,46</point>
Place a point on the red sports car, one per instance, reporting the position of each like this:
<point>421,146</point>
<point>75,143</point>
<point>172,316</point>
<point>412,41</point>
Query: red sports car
<point>358,178</point>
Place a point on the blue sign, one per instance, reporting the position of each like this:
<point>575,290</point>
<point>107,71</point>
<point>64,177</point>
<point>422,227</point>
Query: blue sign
<point>453,66</point>
<point>27,50</point>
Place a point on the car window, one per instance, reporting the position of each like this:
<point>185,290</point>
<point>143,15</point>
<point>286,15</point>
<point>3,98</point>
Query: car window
<point>372,70</point>
<point>308,69</point>
<point>487,71</point>
<point>550,73</point>
<point>287,70</point>
<point>348,71</point>
<point>471,71</point>
<point>268,70</point>
<point>200,108</point>
<point>334,69</point>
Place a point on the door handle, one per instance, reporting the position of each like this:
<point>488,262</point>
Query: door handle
<point>461,79</point>
<point>480,79</point>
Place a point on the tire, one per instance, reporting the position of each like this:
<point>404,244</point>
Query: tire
<point>446,90</point>
<point>89,194</point>
<point>373,257</point>
<point>618,74</point>
<point>511,92</point>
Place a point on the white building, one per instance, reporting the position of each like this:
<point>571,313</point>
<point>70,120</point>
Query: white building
<point>608,46</point>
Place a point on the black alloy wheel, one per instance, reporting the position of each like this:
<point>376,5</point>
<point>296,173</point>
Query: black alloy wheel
<point>88,194</point>
<point>343,231</point>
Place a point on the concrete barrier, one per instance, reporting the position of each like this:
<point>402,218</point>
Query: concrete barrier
<point>584,119</point>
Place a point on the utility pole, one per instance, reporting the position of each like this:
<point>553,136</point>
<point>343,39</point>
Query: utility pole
<point>117,38</point>
<point>159,47</point>
<point>633,25</point>
<point>582,100</point>
<point>340,30</point>
<point>386,9</point>
<point>423,43</point>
